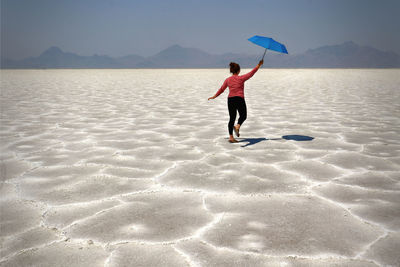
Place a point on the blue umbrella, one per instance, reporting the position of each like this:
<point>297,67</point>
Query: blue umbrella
<point>268,43</point>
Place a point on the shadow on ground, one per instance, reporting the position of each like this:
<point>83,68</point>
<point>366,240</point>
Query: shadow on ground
<point>253,141</point>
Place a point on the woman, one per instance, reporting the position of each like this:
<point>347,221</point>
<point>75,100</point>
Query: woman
<point>236,100</point>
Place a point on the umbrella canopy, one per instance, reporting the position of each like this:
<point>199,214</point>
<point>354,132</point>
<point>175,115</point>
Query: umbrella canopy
<point>268,43</point>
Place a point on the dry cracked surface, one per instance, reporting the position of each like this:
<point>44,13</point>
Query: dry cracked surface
<point>133,168</point>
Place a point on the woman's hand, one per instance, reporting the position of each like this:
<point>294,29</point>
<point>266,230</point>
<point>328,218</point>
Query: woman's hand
<point>211,97</point>
<point>261,62</point>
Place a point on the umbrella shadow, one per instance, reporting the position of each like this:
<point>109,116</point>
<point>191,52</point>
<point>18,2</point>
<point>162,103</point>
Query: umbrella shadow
<point>296,137</point>
<point>253,141</point>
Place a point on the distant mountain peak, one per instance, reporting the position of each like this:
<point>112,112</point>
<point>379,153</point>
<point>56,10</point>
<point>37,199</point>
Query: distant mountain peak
<point>175,46</point>
<point>345,48</point>
<point>177,49</point>
<point>350,44</point>
<point>54,50</point>
<point>173,50</point>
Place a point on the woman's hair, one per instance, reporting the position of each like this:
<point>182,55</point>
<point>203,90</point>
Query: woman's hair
<point>235,68</point>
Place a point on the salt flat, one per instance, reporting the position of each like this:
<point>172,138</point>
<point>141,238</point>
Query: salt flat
<point>133,168</point>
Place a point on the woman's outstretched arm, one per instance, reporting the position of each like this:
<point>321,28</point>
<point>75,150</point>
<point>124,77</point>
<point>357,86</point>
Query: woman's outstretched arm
<point>220,91</point>
<point>247,76</point>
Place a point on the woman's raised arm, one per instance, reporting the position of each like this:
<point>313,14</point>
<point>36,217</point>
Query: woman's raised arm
<point>247,76</point>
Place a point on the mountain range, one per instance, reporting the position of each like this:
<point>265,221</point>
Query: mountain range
<point>346,55</point>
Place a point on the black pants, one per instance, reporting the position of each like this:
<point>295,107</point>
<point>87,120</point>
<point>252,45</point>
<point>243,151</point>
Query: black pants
<point>236,103</point>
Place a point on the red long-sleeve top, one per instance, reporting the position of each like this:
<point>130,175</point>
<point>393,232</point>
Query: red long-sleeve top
<point>236,84</point>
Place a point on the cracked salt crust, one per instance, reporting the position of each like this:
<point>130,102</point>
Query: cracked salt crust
<point>114,168</point>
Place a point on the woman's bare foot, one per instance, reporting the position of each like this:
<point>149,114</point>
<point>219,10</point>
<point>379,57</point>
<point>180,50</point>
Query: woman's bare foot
<point>236,129</point>
<point>232,140</point>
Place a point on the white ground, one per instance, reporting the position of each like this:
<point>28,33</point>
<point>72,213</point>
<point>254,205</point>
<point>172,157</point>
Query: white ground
<point>133,168</point>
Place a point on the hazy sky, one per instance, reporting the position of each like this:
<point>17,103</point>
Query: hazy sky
<point>122,27</point>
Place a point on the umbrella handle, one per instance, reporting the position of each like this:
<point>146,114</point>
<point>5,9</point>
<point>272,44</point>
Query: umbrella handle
<point>264,53</point>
